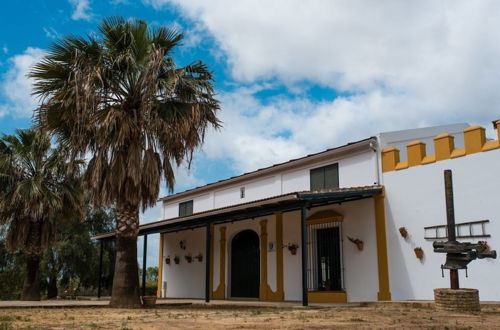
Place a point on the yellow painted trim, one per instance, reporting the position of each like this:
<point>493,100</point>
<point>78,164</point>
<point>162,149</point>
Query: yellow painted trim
<point>220,293</point>
<point>265,291</point>
<point>327,296</point>
<point>457,153</point>
<point>474,139</point>
<point>444,144</point>
<point>429,160</point>
<point>490,145</point>
<point>390,158</point>
<point>325,214</point>
<point>444,148</point>
<point>324,220</point>
<point>160,268</point>
<point>401,166</point>
<point>384,292</point>
<point>416,152</point>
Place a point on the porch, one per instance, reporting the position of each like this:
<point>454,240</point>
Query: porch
<point>197,254</point>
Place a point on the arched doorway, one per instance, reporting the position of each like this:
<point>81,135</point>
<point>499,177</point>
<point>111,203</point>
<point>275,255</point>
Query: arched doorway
<point>245,265</point>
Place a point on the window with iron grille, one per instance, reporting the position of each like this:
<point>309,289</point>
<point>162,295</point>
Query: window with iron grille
<point>185,208</point>
<point>326,177</point>
<point>324,269</point>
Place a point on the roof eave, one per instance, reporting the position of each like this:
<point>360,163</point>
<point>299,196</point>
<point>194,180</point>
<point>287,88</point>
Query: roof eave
<point>252,209</point>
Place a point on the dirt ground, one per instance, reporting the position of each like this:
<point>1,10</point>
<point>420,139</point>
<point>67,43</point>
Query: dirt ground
<point>234,317</point>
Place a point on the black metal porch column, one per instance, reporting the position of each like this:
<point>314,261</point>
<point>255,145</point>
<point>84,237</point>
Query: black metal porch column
<point>207,262</point>
<point>303,232</point>
<point>100,270</point>
<point>144,254</point>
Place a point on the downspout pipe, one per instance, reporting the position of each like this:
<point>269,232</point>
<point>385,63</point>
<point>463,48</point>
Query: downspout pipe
<point>374,145</point>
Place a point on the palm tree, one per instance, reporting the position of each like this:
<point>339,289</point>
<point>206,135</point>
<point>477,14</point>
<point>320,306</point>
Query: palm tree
<point>38,187</point>
<point>119,98</point>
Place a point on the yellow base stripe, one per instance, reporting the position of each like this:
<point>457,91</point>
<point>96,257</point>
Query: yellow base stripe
<point>327,297</point>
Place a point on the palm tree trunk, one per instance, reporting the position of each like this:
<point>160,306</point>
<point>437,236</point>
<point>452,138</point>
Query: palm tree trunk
<point>31,287</point>
<point>125,292</point>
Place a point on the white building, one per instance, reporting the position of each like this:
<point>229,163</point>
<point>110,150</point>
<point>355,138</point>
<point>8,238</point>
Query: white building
<point>326,227</point>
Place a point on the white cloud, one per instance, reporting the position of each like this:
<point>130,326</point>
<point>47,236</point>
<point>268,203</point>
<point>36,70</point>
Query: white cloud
<point>185,178</point>
<point>404,64</point>
<point>16,87</point>
<point>82,9</point>
<point>258,134</point>
<point>5,50</point>
<point>349,45</point>
<point>250,133</point>
<point>51,33</point>
<point>193,35</point>
<point>157,4</point>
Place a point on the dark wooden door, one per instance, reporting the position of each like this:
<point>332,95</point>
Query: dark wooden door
<point>245,265</point>
<point>328,249</point>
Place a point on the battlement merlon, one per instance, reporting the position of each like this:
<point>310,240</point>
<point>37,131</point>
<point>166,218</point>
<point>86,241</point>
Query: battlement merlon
<point>444,148</point>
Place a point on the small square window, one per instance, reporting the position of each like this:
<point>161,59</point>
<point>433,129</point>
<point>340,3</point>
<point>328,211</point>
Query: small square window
<point>185,208</point>
<point>242,192</point>
<point>326,177</point>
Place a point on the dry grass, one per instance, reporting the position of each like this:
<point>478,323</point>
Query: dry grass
<point>218,317</point>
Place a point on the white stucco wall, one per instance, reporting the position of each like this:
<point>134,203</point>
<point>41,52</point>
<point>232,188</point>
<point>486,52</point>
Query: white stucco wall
<point>185,280</point>
<point>266,186</point>
<point>415,199</point>
<point>203,202</point>
<point>360,267</point>
<point>292,271</point>
<point>357,169</point>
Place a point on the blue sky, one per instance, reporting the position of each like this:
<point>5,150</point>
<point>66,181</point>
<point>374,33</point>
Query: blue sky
<point>293,77</point>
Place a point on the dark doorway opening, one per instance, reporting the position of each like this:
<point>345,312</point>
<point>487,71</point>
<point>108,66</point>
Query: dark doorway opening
<point>328,249</point>
<point>245,265</point>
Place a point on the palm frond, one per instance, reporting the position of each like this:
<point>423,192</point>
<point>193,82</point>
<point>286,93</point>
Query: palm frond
<point>121,99</point>
<point>39,183</point>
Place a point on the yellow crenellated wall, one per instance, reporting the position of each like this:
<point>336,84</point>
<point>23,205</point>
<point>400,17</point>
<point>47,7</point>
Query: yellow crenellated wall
<point>444,148</point>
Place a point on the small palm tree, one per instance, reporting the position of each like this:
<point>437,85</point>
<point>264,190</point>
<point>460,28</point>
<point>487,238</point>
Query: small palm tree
<point>120,99</point>
<point>38,187</point>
